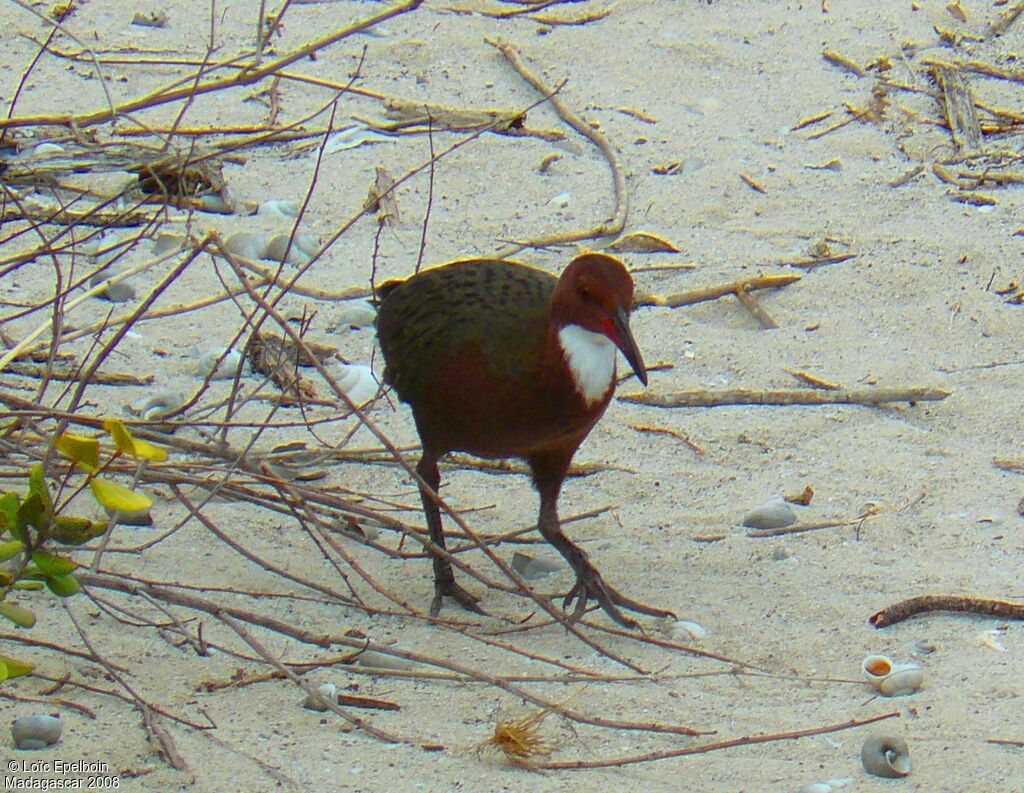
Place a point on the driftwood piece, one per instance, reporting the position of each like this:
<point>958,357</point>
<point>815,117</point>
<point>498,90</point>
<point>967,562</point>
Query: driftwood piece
<point>1004,609</point>
<point>692,296</point>
<point>960,113</point>
<point>699,398</point>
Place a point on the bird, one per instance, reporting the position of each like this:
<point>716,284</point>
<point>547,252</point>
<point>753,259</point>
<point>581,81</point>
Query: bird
<point>500,359</point>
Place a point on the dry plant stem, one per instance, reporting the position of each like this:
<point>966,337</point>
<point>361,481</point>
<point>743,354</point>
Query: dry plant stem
<point>1004,609</point>
<point>154,729</point>
<point>326,640</point>
<point>959,105</point>
<point>714,292</point>
<point>247,76</point>
<point>805,527</point>
<point>309,688</point>
<point>68,651</point>
<point>519,585</point>
<point>753,740</point>
<point>612,227</point>
<point>751,396</point>
<point>750,304</point>
<point>49,701</point>
<point>1000,25</point>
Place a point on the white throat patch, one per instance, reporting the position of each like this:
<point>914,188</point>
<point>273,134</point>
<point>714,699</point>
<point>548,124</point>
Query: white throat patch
<point>591,359</point>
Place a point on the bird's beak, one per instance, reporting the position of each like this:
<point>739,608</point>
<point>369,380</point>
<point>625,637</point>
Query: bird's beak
<point>623,339</point>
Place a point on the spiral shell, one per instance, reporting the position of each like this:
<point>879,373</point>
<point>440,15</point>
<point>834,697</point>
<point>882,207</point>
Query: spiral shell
<point>885,756</point>
<point>875,668</point>
<point>902,681</point>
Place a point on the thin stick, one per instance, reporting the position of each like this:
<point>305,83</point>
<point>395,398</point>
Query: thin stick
<point>714,292</point>
<point>752,396</point>
<point>753,740</point>
<point>612,227</point>
<point>1004,609</point>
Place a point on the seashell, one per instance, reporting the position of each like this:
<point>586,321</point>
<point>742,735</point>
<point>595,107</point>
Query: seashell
<point>326,692</point>
<point>352,137</point>
<point>532,568</point>
<point>776,514</point>
<point>357,381</point>
<point>301,249</point>
<point>685,629</point>
<point>165,243</point>
<point>875,668</point>
<point>215,203</point>
<point>37,731</point>
<point>377,660</point>
<point>157,405</point>
<point>902,681</point>
<point>247,244</point>
<point>117,292</point>
<point>359,314</point>
<point>279,208</point>
<point>885,756</point>
<point>230,361</point>
<point>562,200</point>
<point>48,150</point>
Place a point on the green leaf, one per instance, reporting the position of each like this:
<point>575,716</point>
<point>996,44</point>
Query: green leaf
<point>8,550</point>
<point>37,487</point>
<point>63,585</point>
<point>53,566</point>
<point>19,615</point>
<point>9,504</point>
<point>135,447</point>
<point>28,586</point>
<point>30,513</point>
<point>117,497</point>
<point>12,667</point>
<point>84,451</point>
<point>75,531</point>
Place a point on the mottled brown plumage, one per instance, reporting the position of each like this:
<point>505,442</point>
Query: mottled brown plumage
<point>480,350</point>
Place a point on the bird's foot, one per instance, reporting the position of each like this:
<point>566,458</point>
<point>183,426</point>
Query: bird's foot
<point>590,584</point>
<point>457,593</point>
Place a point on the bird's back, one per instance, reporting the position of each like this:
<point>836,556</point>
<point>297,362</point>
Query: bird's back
<point>493,309</point>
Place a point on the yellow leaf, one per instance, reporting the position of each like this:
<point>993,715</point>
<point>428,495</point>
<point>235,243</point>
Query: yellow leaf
<point>642,242</point>
<point>133,446</point>
<point>118,497</point>
<point>84,451</point>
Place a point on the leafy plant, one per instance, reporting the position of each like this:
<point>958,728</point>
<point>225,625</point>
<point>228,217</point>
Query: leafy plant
<point>31,524</point>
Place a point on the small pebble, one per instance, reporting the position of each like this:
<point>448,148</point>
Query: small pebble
<point>48,150</point>
<point>216,204</point>
<point>165,243</point>
<point>37,731</point>
<point>775,514</point>
<point>377,660</point>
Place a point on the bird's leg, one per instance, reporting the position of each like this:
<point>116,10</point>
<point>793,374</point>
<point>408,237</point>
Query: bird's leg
<point>589,582</point>
<point>444,579</point>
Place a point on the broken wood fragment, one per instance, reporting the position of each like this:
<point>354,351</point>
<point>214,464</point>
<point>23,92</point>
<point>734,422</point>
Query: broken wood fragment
<point>753,396</point>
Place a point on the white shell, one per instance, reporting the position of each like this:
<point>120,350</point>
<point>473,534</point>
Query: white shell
<point>357,381</point>
<point>902,681</point>
<point>207,365</point>
<point>776,514</point>
<point>326,692</point>
<point>157,405</point>
<point>532,568</point>
<point>36,731</point>
<point>164,243</point>
<point>119,292</point>
<point>279,207</point>
<point>48,150</point>
<point>685,629</point>
<point>885,756</point>
<point>875,668</point>
<point>359,314</point>
<point>377,660</point>
<point>247,244</point>
<point>302,248</point>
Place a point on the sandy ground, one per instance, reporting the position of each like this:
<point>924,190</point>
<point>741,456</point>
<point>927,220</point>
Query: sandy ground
<point>720,88</point>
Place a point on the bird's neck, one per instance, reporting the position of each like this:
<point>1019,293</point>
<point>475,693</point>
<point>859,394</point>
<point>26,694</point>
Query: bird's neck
<point>590,359</point>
